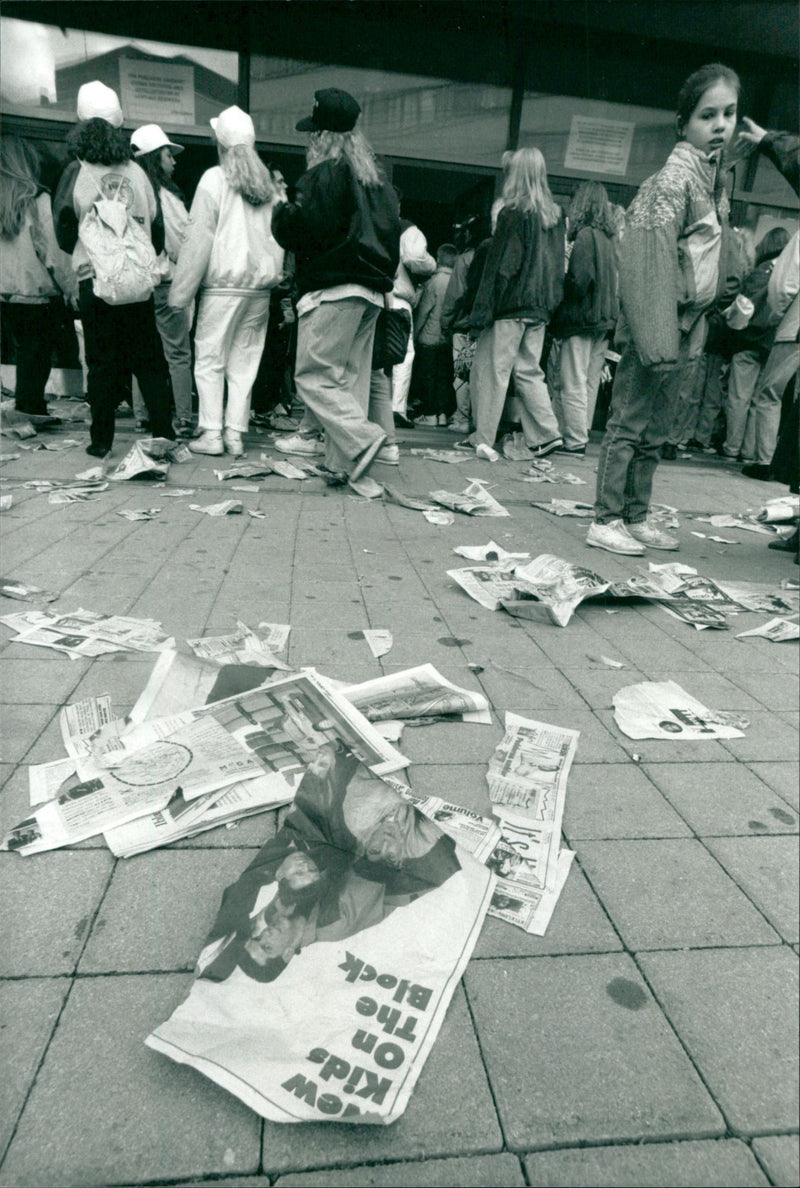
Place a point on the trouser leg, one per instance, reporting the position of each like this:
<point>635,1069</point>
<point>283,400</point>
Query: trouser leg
<point>213,335</point>
<point>745,368</point>
<point>494,360</point>
<point>461,387</point>
<point>401,372</point>
<point>569,399</point>
<point>173,328</point>
<point>145,358</point>
<point>249,331</point>
<point>380,404</point>
<point>105,362</point>
<point>539,422</point>
<point>33,327</point>
<point>779,368</point>
<point>710,401</point>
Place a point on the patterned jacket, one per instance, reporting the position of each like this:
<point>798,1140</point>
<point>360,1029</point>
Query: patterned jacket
<point>672,259</point>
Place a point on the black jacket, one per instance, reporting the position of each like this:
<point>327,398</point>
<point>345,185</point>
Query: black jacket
<point>340,231</point>
<point>591,302</point>
<point>524,272</point>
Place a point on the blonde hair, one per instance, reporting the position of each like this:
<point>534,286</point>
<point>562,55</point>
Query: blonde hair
<point>246,173</point>
<point>19,174</point>
<point>353,146</point>
<point>525,187</point>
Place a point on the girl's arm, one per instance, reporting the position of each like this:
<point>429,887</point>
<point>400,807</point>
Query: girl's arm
<point>650,279</point>
<point>782,148</point>
<point>196,248</point>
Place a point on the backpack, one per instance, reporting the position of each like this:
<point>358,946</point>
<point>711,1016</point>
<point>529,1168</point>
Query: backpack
<point>125,265</point>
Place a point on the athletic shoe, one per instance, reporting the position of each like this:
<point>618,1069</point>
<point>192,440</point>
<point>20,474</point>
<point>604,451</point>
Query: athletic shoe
<point>297,444</point>
<point>464,445</point>
<point>389,455</point>
<point>571,451</point>
<point>669,452</point>
<point>757,470</point>
<point>486,452</point>
<point>233,443</point>
<point>432,420</point>
<point>654,538</point>
<point>366,487</point>
<point>458,425</point>
<point>209,442</point>
<point>547,447</point>
<point>98,451</point>
<point>403,422</point>
<point>614,537</point>
<point>184,428</point>
<point>366,458</point>
<point>786,544</point>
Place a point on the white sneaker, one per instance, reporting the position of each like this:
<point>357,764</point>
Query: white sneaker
<point>389,455</point>
<point>614,537</point>
<point>486,452</point>
<point>233,443</point>
<point>654,538</point>
<point>366,487</point>
<point>207,443</point>
<point>297,444</point>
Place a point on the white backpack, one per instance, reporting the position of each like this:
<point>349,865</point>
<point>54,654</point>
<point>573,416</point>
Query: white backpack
<point>125,265</point>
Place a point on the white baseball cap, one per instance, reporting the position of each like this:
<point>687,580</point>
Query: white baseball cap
<point>96,101</point>
<point>233,126</point>
<point>150,137</point>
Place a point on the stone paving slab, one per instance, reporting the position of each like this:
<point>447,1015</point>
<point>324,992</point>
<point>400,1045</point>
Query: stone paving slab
<point>107,1110</point>
<point>736,1012</point>
<point>598,684</point>
<point>671,894</point>
<point>780,1155</point>
<point>36,683</point>
<point>460,783</point>
<point>158,909</point>
<point>707,1163</point>
<point>617,800</point>
<point>451,1113</point>
<point>546,689</point>
<point>21,725</point>
<point>766,868</point>
<point>29,1010</point>
<point>49,900</point>
<point>481,1171</point>
<point>666,750</point>
<point>579,925</point>
<point>578,1050</point>
<point>716,799</point>
<point>783,778</point>
<point>775,690</point>
<point>766,736</point>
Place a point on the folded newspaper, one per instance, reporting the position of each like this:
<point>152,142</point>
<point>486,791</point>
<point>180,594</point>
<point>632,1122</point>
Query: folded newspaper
<point>527,780</point>
<point>327,973</point>
<point>474,500</point>
<point>88,633</point>
<point>663,709</point>
<point>420,692</point>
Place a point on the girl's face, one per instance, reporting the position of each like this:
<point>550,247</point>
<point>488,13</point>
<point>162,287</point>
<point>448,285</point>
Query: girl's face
<point>711,124</point>
<point>167,161</point>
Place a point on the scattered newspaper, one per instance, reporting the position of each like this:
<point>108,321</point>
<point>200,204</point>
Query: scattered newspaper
<point>472,832</point>
<point>328,971</point>
<point>489,585</point>
<point>140,513</point>
<point>45,780</point>
<point>228,507</point>
<point>778,630</point>
<point>475,500</point>
<point>665,710</point>
<point>557,585</point>
<point>87,633</point>
<point>139,464</point>
<point>436,516</point>
<point>413,502</point>
<point>451,456</point>
<point>566,507</point>
<point>11,588</point>
<point>765,599</point>
<point>380,641</point>
<point>176,683</point>
<point>781,510</point>
<point>420,692</point>
<point>744,522</point>
<point>242,647</point>
<point>527,780</point>
<point>277,635</point>
<point>489,552</point>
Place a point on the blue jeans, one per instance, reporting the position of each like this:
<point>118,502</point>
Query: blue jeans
<point>643,405</point>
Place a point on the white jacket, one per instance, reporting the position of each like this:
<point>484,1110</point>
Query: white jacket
<point>229,246</point>
<point>32,266</point>
<point>416,261</point>
<point>783,288</point>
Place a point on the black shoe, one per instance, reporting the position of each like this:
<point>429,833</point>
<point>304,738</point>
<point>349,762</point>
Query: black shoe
<point>669,452</point>
<point>402,422</point>
<point>788,544</point>
<point>757,470</point>
<point>98,451</point>
<point>575,452</point>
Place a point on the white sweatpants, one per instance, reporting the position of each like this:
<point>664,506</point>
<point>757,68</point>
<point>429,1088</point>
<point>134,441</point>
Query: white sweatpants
<point>229,340</point>
<point>401,372</point>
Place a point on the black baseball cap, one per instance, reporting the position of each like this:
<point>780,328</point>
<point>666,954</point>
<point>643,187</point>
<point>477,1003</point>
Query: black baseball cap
<point>334,111</point>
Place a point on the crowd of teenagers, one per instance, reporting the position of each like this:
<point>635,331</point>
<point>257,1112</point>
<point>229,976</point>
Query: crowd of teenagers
<point>249,300</point>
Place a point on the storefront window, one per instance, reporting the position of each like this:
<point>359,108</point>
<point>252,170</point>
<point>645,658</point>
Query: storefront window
<point>404,115</point>
<point>179,87</point>
<point>585,138</point>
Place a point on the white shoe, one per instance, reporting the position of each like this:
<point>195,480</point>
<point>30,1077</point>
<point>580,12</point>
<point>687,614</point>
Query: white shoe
<point>614,537</point>
<point>233,443</point>
<point>486,452</point>
<point>366,487</point>
<point>389,455</point>
<point>654,538</point>
<point>208,442</point>
<point>297,444</point>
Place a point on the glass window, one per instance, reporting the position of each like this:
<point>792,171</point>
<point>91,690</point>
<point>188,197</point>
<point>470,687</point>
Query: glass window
<point>404,115</point>
<point>179,87</point>
<point>594,140</point>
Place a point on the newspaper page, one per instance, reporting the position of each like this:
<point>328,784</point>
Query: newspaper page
<point>477,835</point>
<point>664,710</point>
<point>778,630</point>
<point>489,552</point>
<point>490,585</point>
<point>176,683</point>
<point>517,899</point>
<point>765,599</point>
<point>45,780</point>
<point>73,644</point>
<point>527,780</point>
<point>80,723</point>
<point>558,585</point>
<point>475,500</point>
<point>417,693</point>
<point>328,971</point>
<point>242,647</point>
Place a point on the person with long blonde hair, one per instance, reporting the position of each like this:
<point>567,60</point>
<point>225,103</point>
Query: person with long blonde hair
<point>344,229</point>
<point>521,286</point>
<point>35,272</point>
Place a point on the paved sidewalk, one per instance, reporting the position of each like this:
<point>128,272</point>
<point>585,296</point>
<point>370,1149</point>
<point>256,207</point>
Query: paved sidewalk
<point>649,1038</point>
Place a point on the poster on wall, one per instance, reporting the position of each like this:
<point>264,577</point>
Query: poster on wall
<point>599,146</point>
<point>156,92</point>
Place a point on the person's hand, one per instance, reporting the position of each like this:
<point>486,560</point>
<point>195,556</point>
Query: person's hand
<point>751,133</point>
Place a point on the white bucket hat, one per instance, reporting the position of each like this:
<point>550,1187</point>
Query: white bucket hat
<point>150,137</point>
<point>233,126</point>
<point>96,101</point>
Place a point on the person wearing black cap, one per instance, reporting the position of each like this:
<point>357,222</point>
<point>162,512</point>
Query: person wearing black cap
<point>344,228</point>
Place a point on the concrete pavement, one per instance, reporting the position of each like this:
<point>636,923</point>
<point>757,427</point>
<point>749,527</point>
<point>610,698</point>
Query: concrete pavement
<point>649,1038</point>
